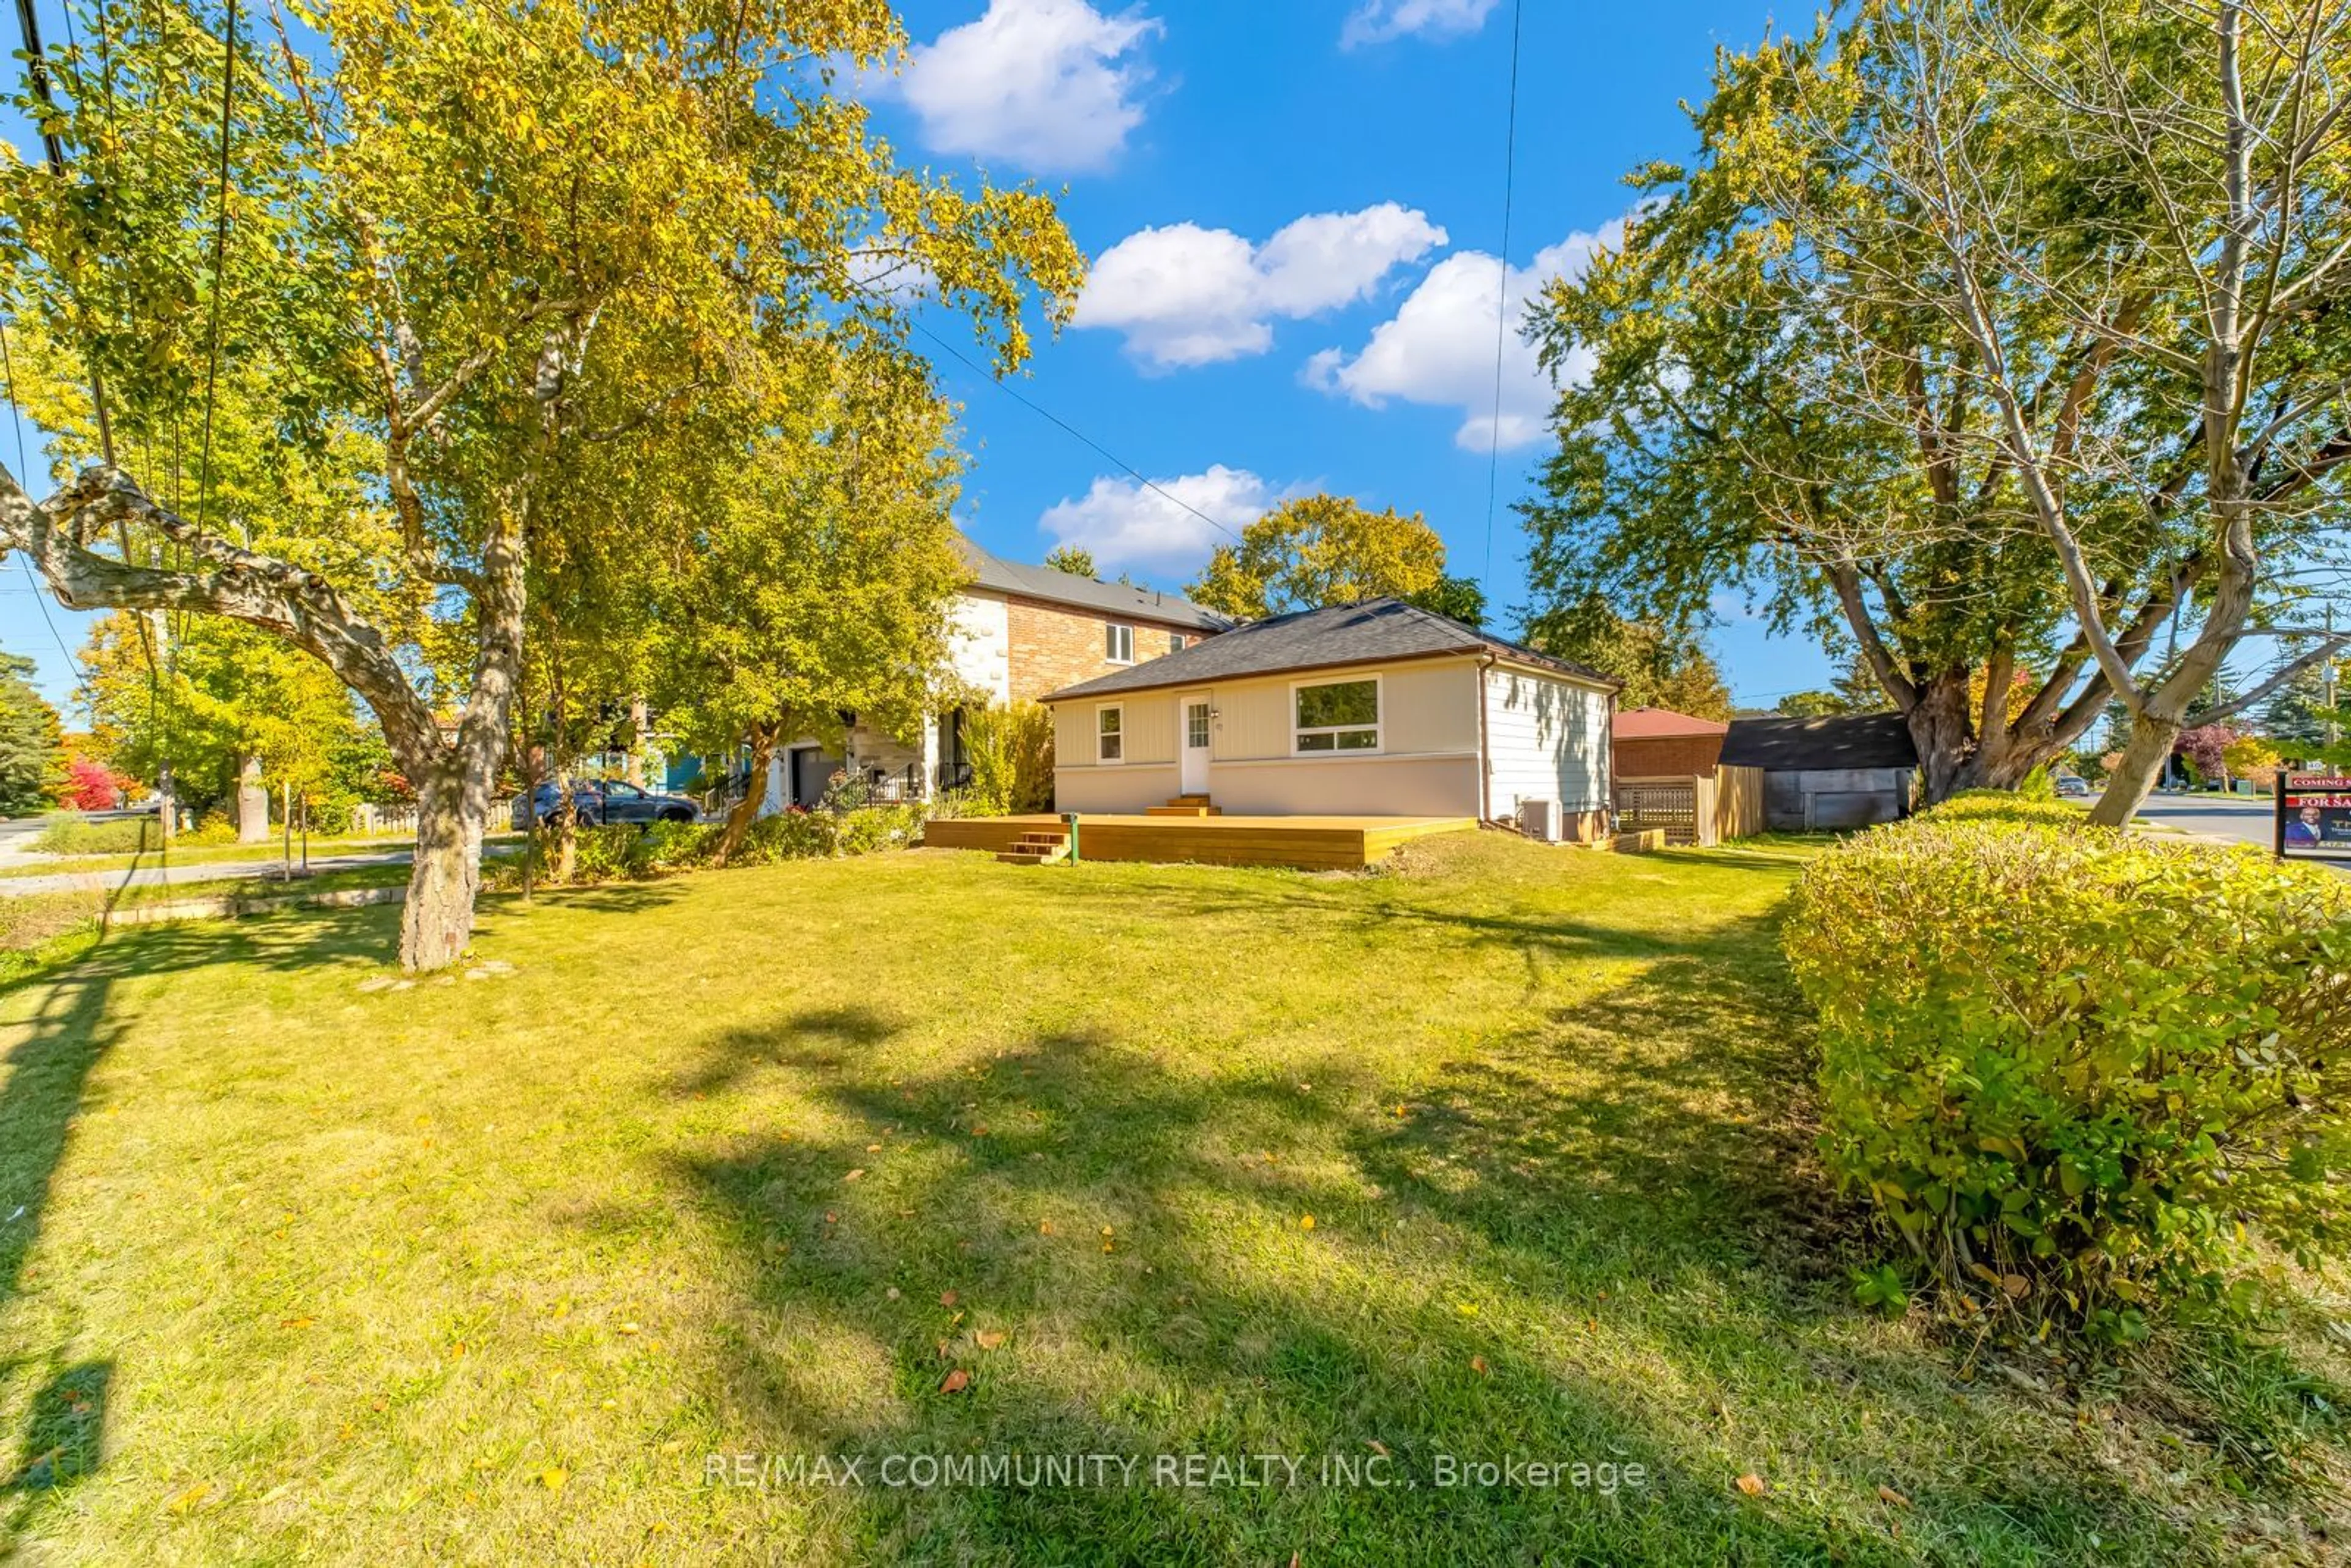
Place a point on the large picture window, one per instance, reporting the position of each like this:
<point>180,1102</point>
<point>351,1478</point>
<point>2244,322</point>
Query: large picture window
<point>1110,734</point>
<point>1336,716</point>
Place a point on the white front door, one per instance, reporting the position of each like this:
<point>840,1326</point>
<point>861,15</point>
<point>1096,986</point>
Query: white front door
<point>1191,715</point>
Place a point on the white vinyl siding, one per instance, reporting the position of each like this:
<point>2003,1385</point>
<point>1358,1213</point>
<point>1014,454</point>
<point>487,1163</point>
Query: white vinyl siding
<point>1546,739</point>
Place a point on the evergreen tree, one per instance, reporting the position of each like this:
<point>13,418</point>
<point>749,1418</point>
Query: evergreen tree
<point>32,743</point>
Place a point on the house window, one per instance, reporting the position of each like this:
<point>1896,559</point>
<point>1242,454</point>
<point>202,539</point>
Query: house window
<point>1337,716</point>
<point>1110,739</point>
<point>1118,644</point>
<point>1177,641</point>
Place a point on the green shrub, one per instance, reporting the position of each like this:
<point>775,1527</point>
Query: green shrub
<point>679,846</point>
<point>1011,752</point>
<point>608,855</point>
<point>117,836</point>
<point>879,828</point>
<point>2078,1065</point>
<point>214,830</point>
<point>787,835</point>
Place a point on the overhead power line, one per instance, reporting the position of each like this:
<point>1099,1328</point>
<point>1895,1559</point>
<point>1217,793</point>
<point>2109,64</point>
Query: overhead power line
<point>1502,293</point>
<point>1044,412</point>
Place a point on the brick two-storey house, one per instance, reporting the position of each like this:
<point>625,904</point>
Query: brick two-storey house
<point>1017,632</point>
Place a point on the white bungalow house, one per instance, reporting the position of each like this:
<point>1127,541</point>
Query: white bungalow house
<point>1378,709</point>
<point>1017,632</point>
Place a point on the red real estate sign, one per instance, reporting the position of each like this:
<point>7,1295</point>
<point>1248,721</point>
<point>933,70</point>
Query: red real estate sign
<point>2314,814</point>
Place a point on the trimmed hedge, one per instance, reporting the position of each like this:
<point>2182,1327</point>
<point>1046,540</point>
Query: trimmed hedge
<point>2078,1065</point>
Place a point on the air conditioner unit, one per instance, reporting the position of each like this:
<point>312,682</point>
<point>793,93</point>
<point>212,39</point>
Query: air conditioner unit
<point>1540,820</point>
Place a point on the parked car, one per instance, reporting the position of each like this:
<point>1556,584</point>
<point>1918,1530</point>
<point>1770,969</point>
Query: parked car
<point>607,802</point>
<point>2073,788</point>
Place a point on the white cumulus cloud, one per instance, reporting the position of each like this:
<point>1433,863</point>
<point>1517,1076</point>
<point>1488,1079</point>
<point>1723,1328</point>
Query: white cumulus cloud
<point>1184,295</point>
<point>1439,348</point>
<point>1053,85</point>
<point>1377,21</point>
<point>1128,525</point>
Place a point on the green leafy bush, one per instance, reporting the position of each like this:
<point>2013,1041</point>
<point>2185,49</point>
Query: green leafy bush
<point>116,836</point>
<point>678,846</point>
<point>787,835</point>
<point>1011,752</point>
<point>879,828</point>
<point>2075,1064</point>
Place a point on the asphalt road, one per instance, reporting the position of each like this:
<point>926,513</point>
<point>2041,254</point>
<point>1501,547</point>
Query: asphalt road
<point>2229,819</point>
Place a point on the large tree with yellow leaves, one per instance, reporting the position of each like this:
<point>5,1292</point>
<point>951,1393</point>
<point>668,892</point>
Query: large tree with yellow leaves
<point>458,246</point>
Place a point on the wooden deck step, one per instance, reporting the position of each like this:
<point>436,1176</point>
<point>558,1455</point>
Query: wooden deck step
<point>1042,846</point>
<point>1188,800</point>
<point>1182,811</point>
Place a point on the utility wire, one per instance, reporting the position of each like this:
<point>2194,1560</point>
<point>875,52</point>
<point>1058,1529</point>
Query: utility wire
<point>40,594</point>
<point>220,265</point>
<point>36,71</point>
<point>1047,413</point>
<point>1502,292</point>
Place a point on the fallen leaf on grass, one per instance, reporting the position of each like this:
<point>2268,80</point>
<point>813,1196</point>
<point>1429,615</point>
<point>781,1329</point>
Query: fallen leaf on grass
<point>1375,1445</point>
<point>1478,1366</point>
<point>855,1176</point>
<point>873,1148</point>
<point>1752,1484</point>
<point>988,1339</point>
<point>1306,1222</point>
<point>553,1477</point>
<point>296,1323</point>
<point>947,1298</point>
<point>631,1328</point>
<point>1887,1494</point>
<point>187,1499</point>
<point>956,1382</point>
<point>1044,1228</point>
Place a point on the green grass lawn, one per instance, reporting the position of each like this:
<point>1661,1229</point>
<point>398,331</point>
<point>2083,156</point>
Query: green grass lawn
<point>506,1269</point>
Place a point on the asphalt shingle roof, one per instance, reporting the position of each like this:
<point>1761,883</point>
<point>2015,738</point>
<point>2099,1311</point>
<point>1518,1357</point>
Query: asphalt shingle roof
<point>1795,745</point>
<point>1115,598</point>
<point>1375,631</point>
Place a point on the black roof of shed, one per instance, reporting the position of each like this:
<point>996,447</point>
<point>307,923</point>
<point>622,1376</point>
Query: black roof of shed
<point>1792,745</point>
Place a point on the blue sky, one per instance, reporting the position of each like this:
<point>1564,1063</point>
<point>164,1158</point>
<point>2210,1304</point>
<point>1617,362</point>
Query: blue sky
<point>1293,209</point>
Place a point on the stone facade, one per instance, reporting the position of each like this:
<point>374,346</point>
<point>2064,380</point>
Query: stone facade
<point>1052,645</point>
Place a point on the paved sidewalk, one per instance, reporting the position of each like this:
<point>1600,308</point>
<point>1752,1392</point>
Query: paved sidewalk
<point>161,874</point>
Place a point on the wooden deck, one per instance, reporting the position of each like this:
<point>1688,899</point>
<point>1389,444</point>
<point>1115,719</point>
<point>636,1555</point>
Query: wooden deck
<point>1316,843</point>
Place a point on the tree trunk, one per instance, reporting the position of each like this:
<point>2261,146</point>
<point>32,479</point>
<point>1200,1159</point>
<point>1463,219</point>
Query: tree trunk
<point>755,788</point>
<point>2149,748</point>
<point>567,830</point>
<point>167,808</point>
<point>1940,729</point>
<point>252,804</point>
<point>437,925</point>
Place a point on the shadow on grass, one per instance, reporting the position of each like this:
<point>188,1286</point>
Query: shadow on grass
<point>1617,1203</point>
<point>78,1018</point>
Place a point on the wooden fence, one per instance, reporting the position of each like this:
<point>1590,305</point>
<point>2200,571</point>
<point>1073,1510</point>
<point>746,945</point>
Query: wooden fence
<point>1694,811</point>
